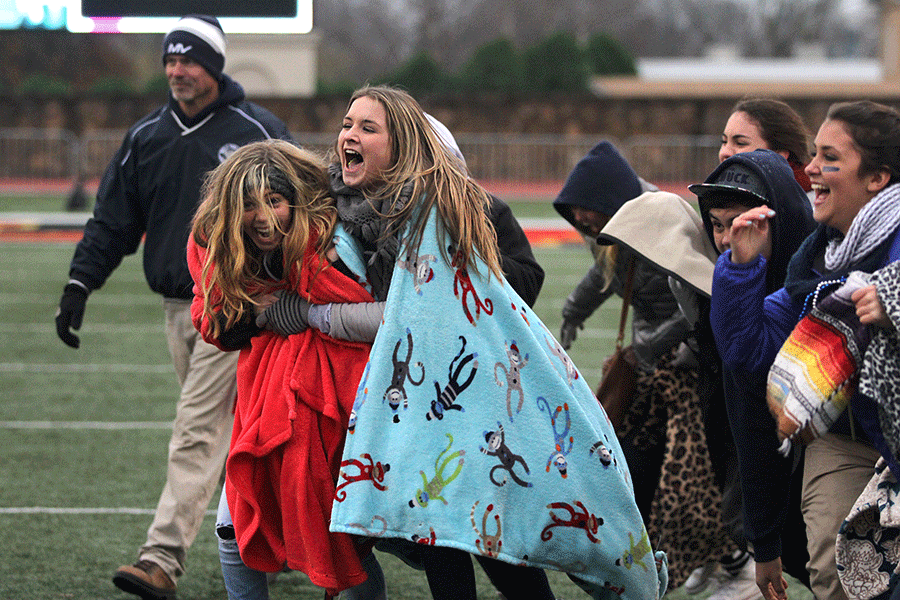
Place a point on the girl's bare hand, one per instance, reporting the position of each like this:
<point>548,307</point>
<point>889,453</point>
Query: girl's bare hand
<point>770,581</point>
<point>869,308</point>
<point>750,234</point>
<point>264,301</point>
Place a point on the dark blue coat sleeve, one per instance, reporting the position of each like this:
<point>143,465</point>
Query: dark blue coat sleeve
<point>749,327</point>
<point>117,225</point>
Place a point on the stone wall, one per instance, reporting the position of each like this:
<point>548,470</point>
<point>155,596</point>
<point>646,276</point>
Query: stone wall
<point>616,117</point>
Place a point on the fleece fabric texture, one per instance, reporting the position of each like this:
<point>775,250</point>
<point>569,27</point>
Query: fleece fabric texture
<point>294,399</point>
<point>473,429</point>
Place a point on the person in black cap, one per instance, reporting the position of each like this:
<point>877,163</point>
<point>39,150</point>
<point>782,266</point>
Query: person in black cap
<point>761,498</point>
<point>857,212</point>
<point>149,192</point>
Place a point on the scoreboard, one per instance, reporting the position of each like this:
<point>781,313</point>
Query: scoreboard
<point>158,16</point>
<point>177,8</point>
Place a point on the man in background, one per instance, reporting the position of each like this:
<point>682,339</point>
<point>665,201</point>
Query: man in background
<point>150,190</point>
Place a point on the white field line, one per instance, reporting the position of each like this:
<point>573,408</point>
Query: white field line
<point>106,299</point>
<point>111,328</point>
<point>46,510</point>
<point>43,510</point>
<point>97,425</point>
<point>21,272</point>
<point>84,368</point>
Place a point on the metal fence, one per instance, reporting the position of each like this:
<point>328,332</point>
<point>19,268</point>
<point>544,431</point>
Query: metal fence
<point>59,154</point>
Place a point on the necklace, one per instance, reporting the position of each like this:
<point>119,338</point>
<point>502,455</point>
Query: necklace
<point>812,299</point>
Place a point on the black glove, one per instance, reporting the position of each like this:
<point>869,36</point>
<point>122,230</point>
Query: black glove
<point>70,313</point>
<point>568,332</point>
<point>287,315</point>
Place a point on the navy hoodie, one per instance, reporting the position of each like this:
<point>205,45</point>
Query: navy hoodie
<point>765,474</point>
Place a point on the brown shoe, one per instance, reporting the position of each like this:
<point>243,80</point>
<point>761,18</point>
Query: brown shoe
<point>145,579</point>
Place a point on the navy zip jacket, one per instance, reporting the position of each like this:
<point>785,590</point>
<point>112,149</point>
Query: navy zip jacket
<point>152,187</point>
<point>765,474</point>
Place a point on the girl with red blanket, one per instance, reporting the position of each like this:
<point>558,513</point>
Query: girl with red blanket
<point>261,246</point>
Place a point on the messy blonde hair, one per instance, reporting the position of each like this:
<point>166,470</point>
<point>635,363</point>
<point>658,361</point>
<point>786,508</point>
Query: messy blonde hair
<point>439,181</point>
<point>233,265</point>
<point>606,257</point>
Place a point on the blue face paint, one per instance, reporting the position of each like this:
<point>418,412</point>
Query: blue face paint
<point>830,169</point>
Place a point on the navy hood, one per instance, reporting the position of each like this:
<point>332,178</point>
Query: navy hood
<point>602,181</point>
<point>771,182</point>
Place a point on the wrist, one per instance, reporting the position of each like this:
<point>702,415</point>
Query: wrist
<point>320,317</point>
<point>78,284</point>
<point>76,287</point>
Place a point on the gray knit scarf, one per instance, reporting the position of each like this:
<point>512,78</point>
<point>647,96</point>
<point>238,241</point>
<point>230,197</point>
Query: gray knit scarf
<point>877,220</point>
<point>370,221</point>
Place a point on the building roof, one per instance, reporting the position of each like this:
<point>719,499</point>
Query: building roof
<point>794,77</point>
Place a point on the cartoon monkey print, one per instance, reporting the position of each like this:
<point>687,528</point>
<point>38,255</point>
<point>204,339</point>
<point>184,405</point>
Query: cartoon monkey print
<point>558,458</point>
<point>496,446</point>
<point>512,376</point>
<point>420,268</point>
<point>446,398</point>
<point>395,395</point>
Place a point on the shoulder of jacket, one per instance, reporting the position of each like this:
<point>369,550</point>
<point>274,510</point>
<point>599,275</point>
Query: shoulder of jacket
<point>150,123</point>
<point>259,116</point>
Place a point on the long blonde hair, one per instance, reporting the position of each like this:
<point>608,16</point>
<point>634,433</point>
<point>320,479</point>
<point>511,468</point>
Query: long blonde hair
<point>606,257</point>
<point>232,265</point>
<point>439,180</point>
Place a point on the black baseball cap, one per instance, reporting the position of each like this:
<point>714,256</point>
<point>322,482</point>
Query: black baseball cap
<point>735,181</point>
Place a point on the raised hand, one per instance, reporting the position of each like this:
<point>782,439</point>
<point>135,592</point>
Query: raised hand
<point>751,235</point>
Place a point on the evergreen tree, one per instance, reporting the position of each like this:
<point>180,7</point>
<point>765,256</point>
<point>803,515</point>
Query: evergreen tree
<point>555,64</point>
<point>607,56</point>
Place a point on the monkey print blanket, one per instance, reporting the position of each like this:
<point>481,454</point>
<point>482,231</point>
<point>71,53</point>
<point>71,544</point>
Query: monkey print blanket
<point>473,429</point>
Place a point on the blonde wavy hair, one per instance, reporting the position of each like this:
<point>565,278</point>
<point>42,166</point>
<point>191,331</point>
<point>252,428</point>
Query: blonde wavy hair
<point>233,264</point>
<point>606,257</point>
<point>439,181</point>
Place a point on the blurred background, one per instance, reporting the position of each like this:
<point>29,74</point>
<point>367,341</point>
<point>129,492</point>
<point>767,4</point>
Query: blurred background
<point>527,87</point>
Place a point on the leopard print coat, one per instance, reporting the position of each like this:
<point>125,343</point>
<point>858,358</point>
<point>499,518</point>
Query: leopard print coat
<point>684,519</point>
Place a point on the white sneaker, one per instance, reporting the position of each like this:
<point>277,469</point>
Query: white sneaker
<point>701,577</point>
<point>740,587</point>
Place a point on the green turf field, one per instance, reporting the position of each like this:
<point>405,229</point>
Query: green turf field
<point>84,432</point>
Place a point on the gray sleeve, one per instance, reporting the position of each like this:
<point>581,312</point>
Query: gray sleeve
<point>587,296</point>
<point>357,322</point>
<point>687,300</point>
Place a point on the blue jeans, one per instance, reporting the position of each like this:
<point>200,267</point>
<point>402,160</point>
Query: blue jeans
<point>244,583</point>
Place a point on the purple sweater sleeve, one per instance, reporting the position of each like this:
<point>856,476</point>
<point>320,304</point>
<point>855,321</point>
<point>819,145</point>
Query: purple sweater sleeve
<point>749,327</point>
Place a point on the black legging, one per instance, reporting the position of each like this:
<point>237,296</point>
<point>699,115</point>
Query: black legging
<point>451,576</point>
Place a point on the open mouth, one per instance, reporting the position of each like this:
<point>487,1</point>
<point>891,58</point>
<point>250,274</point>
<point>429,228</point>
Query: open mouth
<point>352,158</point>
<point>264,233</point>
<point>820,189</point>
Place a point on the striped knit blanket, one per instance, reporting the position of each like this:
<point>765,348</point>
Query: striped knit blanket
<point>816,371</point>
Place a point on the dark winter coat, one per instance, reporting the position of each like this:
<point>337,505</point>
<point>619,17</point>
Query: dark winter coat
<point>766,476</point>
<point>152,187</point>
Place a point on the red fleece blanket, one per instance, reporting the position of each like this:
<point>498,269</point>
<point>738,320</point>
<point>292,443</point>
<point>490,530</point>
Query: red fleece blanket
<point>294,400</point>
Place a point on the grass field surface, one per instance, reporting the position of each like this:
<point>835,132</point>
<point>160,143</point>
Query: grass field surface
<point>85,431</point>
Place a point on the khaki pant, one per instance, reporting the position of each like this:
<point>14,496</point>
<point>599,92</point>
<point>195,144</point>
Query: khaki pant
<point>835,471</point>
<point>201,435</point>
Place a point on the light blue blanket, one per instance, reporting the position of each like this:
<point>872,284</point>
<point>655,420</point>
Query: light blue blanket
<point>473,429</point>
